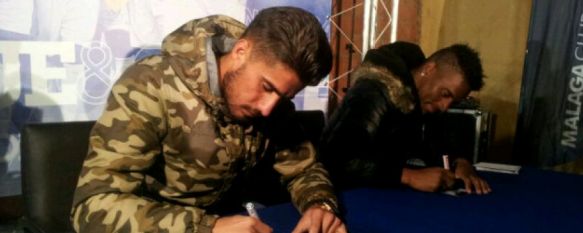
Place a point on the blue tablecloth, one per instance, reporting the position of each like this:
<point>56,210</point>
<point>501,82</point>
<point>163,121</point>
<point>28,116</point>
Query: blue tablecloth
<point>533,201</point>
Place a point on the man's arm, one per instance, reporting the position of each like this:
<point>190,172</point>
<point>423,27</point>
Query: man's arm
<point>295,159</point>
<point>430,179</point>
<point>433,179</point>
<point>307,180</point>
<point>310,189</point>
<point>123,145</point>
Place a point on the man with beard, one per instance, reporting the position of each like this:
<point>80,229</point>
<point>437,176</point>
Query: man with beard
<point>179,128</point>
<point>379,124</point>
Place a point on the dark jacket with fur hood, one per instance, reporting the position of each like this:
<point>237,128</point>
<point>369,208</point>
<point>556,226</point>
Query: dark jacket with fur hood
<point>378,126</point>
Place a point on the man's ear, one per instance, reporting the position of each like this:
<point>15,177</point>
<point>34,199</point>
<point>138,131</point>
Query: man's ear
<point>241,50</point>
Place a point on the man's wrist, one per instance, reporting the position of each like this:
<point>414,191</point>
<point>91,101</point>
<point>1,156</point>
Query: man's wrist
<point>325,205</point>
<point>406,176</point>
<point>462,163</point>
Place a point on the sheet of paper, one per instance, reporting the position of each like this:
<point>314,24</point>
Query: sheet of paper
<point>455,192</point>
<point>497,167</point>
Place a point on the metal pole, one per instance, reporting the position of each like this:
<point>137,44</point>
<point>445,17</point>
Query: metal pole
<point>395,20</point>
<point>368,26</point>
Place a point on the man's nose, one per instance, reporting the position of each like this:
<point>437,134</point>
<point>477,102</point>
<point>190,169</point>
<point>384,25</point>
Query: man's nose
<point>267,105</point>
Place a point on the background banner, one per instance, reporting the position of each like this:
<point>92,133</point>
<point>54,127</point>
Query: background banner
<point>549,127</point>
<point>59,58</point>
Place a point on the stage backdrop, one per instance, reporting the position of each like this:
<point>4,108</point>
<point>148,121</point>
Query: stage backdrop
<point>549,127</point>
<point>59,58</point>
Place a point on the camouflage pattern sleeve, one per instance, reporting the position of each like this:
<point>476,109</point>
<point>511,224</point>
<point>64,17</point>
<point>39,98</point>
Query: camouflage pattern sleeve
<point>308,181</point>
<point>123,145</point>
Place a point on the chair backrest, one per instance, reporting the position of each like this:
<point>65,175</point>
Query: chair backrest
<point>313,122</point>
<point>263,183</point>
<point>52,157</point>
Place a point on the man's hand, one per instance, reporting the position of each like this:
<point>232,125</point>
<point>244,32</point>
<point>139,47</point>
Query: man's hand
<point>240,223</point>
<point>316,220</point>
<point>428,179</point>
<point>465,171</point>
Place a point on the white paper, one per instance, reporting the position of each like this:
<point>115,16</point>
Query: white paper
<point>497,167</point>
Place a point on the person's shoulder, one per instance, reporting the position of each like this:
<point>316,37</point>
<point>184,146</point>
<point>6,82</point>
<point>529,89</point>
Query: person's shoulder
<point>212,23</point>
<point>151,61</point>
<point>376,85</point>
<point>153,66</point>
<point>148,72</point>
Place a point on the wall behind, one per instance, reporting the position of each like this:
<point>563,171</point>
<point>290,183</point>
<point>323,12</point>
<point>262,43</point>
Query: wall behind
<point>498,29</point>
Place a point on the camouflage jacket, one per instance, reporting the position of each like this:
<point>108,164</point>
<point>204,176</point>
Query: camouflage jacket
<point>162,109</point>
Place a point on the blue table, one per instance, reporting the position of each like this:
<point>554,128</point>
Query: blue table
<point>534,201</point>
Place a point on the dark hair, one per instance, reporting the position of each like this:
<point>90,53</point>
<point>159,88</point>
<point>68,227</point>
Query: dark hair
<point>464,59</point>
<point>294,37</point>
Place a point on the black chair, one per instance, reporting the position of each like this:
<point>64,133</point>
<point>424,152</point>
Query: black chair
<point>312,122</point>
<point>52,155</point>
<point>263,183</point>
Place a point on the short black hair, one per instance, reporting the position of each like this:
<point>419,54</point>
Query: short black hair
<point>464,59</point>
<point>294,37</point>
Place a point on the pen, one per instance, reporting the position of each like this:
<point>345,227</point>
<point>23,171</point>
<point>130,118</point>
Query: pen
<point>445,162</point>
<point>251,210</point>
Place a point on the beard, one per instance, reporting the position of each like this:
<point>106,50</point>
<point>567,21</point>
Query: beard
<point>230,92</point>
<point>228,86</point>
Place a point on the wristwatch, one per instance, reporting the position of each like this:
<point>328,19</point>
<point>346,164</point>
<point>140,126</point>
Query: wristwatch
<point>325,205</point>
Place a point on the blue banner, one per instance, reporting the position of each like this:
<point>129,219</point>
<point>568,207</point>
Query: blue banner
<point>549,127</point>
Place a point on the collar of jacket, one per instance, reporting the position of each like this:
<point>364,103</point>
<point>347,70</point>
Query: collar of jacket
<point>188,51</point>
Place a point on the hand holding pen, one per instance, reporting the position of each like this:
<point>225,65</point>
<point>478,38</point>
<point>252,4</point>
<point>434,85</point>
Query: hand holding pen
<point>250,207</point>
<point>242,223</point>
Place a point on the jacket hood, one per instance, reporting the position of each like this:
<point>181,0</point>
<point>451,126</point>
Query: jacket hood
<point>391,65</point>
<point>187,51</point>
<point>189,40</point>
<point>401,94</point>
<point>400,57</point>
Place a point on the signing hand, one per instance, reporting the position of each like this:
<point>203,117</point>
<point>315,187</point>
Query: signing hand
<point>316,220</point>
<point>240,223</point>
<point>465,171</point>
<point>428,179</point>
